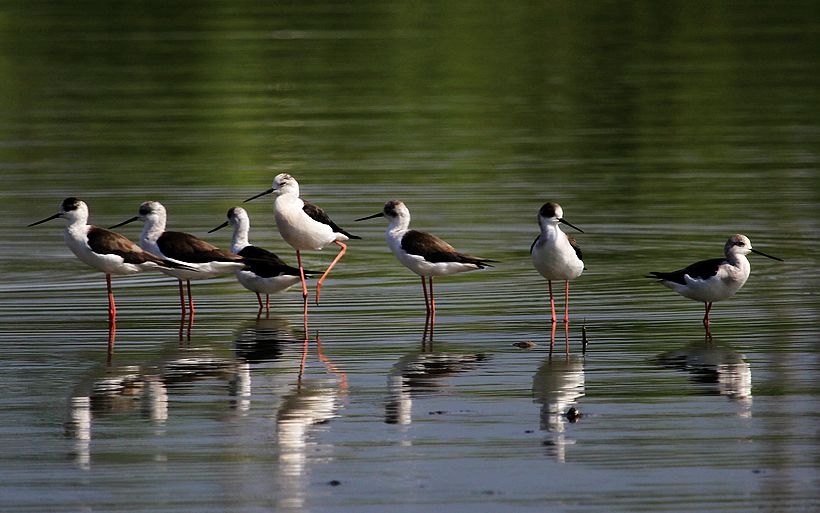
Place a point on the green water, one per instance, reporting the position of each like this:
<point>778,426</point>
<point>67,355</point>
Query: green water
<point>662,129</point>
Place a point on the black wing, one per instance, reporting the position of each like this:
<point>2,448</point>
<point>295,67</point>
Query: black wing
<point>266,264</point>
<point>702,270</point>
<point>435,250</point>
<point>317,214</point>
<point>576,247</point>
<point>532,246</point>
<point>106,242</point>
<point>187,248</point>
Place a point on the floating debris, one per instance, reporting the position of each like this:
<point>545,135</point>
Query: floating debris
<point>527,344</point>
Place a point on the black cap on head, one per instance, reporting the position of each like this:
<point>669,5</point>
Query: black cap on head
<point>70,204</point>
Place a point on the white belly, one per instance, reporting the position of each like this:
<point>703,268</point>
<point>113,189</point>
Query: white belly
<point>559,263</point>
<point>299,229</point>
<point>261,285</point>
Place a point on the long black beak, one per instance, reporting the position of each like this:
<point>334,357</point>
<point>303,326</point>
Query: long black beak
<point>135,218</point>
<point>49,218</point>
<point>374,216</point>
<point>767,256</point>
<point>223,225</point>
<point>259,195</point>
<point>564,221</point>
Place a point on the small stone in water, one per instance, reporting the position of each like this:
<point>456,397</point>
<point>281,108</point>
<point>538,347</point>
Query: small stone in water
<point>573,414</point>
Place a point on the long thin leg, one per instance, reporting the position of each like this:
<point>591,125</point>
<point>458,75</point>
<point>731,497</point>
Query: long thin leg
<point>267,305</point>
<point>112,306</point>
<point>552,338</point>
<point>432,297</point>
<point>261,306</point>
<point>190,300</point>
<point>181,299</point>
<point>304,290</point>
<point>426,299</point>
<point>552,301</point>
<point>322,279</point>
<point>566,304</point>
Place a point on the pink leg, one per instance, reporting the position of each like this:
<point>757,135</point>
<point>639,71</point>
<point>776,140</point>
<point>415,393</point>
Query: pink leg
<point>181,299</point>
<point>112,307</point>
<point>261,306</point>
<point>267,304</point>
<point>304,289</point>
<point>706,321</point>
<point>322,279</point>
<point>426,298</point>
<point>566,304</point>
<point>552,338</point>
<point>190,300</point>
<point>432,300</point>
<point>552,302</point>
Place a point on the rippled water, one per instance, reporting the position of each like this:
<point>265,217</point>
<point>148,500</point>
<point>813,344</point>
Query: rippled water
<point>661,129</point>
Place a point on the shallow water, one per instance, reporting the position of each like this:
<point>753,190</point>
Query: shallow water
<point>662,130</point>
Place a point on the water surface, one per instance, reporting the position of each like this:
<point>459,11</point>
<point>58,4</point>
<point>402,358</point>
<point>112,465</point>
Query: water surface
<point>661,129</point>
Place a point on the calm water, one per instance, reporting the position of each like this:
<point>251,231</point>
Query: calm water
<point>661,129</point>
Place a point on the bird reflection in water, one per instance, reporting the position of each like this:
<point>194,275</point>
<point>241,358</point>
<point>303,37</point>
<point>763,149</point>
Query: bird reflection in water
<point>420,373</point>
<point>723,369</point>
<point>144,390</point>
<point>305,412</point>
<point>557,386</point>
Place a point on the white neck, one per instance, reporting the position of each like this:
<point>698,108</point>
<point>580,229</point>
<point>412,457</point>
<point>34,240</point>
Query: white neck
<point>241,229</point>
<point>153,228</point>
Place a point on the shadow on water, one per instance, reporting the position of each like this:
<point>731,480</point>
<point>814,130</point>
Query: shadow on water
<point>557,386</point>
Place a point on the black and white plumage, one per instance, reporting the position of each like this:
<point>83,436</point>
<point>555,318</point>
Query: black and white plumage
<point>555,255</point>
<point>303,225</point>
<point>202,259</point>
<point>264,272</point>
<point>423,253</point>
<point>715,279</point>
<point>103,249</point>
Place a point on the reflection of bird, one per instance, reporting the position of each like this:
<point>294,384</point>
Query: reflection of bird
<point>264,340</point>
<point>308,405</point>
<point>717,365</point>
<point>713,280</point>
<point>105,250</point>
<point>303,225</point>
<point>207,260</point>
<point>555,255</point>
<point>264,272</point>
<point>418,373</point>
<point>557,386</point>
<point>423,253</point>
